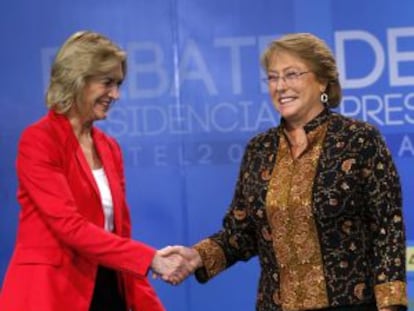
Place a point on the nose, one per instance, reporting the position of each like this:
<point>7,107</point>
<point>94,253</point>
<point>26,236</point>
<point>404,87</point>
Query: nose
<point>114,91</point>
<point>281,84</point>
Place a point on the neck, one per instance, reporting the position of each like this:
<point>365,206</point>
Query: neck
<point>80,127</point>
<point>292,124</point>
<point>296,137</point>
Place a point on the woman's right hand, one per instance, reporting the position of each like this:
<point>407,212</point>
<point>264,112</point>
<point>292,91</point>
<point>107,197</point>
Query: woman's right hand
<point>175,263</point>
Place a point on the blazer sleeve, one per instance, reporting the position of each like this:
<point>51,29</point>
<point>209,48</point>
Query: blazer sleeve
<point>41,175</point>
<point>384,201</point>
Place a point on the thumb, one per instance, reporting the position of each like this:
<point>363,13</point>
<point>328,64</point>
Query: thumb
<point>169,250</point>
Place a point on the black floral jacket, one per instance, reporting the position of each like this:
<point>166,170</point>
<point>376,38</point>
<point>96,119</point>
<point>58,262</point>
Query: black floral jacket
<point>361,224</point>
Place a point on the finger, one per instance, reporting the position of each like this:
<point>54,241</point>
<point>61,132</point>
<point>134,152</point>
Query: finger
<point>170,250</point>
<point>174,280</point>
<point>169,279</point>
<point>164,251</point>
<point>174,277</point>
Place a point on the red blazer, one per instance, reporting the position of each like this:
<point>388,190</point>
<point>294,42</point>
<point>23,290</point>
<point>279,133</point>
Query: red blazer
<point>60,239</point>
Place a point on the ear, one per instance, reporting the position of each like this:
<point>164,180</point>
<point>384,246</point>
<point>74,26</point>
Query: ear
<point>323,86</point>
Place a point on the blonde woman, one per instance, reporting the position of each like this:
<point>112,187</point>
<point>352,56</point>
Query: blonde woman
<point>73,248</point>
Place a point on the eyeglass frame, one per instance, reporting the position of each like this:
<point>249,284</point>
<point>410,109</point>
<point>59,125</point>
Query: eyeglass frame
<point>288,78</point>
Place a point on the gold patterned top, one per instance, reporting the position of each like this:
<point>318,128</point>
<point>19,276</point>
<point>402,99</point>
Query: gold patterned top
<point>294,232</point>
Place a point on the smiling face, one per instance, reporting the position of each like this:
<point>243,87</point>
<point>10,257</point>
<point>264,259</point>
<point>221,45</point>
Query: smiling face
<point>294,89</point>
<point>99,94</point>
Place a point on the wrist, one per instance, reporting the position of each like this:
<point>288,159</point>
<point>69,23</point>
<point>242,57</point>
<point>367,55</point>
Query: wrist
<point>197,260</point>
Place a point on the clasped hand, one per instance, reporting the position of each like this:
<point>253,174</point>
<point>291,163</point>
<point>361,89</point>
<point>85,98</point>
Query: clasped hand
<point>174,264</point>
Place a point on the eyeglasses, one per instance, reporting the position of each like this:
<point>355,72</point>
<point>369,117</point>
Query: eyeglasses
<point>289,78</point>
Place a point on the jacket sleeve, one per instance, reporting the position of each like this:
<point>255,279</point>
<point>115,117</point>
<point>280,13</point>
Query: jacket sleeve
<point>236,240</point>
<point>41,175</point>
<point>384,201</point>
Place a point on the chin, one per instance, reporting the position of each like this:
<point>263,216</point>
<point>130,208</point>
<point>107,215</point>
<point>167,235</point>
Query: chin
<point>101,115</point>
<point>98,118</point>
<point>287,115</point>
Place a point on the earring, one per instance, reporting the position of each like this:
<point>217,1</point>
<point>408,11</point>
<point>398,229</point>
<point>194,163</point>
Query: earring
<point>324,98</point>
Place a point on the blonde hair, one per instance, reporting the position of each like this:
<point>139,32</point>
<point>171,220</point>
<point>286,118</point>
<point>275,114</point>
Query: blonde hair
<point>85,54</point>
<point>316,54</point>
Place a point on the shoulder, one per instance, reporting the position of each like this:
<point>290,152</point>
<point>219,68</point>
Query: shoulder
<point>43,140</point>
<point>352,127</point>
<point>261,146</point>
<point>264,139</point>
<point>40,126</point>
<point>39,132</point>
<point>51,127</point>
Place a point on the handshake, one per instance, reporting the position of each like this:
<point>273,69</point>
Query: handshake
<point>174,264</point>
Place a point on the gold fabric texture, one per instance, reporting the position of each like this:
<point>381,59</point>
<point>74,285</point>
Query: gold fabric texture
<point>294,232</point>
<point>392,293</point>
<point>212,256</point>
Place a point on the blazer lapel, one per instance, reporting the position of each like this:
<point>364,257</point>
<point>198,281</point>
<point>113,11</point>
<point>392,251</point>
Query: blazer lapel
<point>64,132</point>
<point>86,168</point>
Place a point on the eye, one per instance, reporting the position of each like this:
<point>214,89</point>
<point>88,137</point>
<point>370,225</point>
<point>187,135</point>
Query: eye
<point>111,82</point>
<point>272,78</point>
<point>108,82</point>
<point>291,75</point>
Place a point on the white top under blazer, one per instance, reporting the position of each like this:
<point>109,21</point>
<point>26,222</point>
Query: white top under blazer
<point>106,197</point>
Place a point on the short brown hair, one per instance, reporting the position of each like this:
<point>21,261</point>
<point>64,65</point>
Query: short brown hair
<point>316,53</point>
<point>85,54</point>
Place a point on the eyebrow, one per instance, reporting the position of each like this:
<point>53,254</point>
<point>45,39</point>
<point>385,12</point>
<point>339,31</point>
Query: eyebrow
<point>285,69</point>
<point>111,77</point>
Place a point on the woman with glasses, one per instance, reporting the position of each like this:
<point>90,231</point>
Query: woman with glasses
<point>74,250</point>
<point>318,198</point>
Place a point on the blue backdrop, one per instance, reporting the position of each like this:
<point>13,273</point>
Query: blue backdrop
<point>193,97</point>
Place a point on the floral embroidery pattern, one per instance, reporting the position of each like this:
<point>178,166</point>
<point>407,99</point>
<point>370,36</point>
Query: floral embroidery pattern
<point>356,206</point>
<point>295,236</point>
